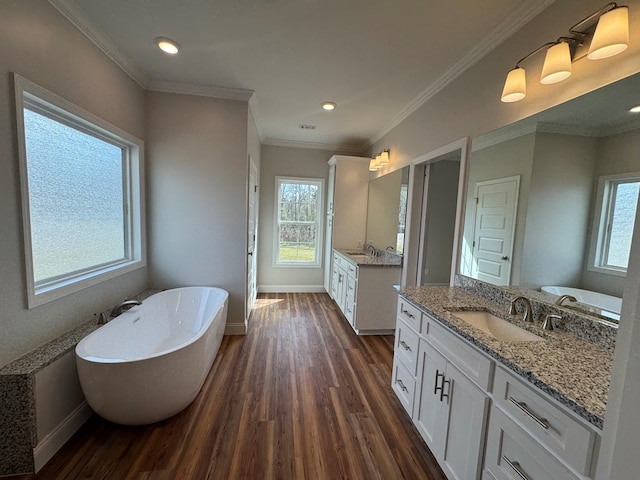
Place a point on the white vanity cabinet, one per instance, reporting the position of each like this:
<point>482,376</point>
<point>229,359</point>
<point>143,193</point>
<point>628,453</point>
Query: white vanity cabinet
<point>448,408</point>
<point>529,434</point>
<point>365,294</point>
<point>467,409</point>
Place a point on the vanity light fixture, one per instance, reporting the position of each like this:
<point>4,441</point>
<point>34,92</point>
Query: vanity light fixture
<point>328,106</point>
<point>168,46</point>
<point>602,34</point>
<point>380,160</point>
<point>635,109</point>
<point>372,165</point>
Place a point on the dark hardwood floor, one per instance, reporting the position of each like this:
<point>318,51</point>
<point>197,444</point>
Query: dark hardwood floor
<point>299,397</point>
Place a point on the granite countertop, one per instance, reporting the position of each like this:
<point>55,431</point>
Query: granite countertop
<point>363,259</point>
<point>573,371</point>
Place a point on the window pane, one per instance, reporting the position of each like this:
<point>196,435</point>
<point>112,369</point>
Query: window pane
<point>297,243</point>
<point>75,198</point>
<point>298,202</point>
<point>622,221</point>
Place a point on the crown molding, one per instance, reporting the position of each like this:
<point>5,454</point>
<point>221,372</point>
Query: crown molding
<point>89,29</point>
<point>335,148</point>
<point>506,28</point>
<point>200,90</point>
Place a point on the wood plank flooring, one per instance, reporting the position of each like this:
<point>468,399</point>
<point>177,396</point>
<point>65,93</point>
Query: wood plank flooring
<point>299,397</point>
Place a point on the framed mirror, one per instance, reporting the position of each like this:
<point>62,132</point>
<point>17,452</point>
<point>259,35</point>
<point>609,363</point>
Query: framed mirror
<point>551,200</point>
<point>387,210</point>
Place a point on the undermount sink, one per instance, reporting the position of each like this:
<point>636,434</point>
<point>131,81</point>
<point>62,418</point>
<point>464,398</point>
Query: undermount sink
<point>496,327</point>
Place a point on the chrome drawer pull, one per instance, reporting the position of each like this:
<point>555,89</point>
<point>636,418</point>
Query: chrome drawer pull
<point>404,344</point>
<point>399,382</point>
<point>406,312</point>
<point>523,406</point>
<point>516,468</point>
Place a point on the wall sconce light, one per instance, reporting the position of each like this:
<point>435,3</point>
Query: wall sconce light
<point>600,35</point>
<point>379,161</point>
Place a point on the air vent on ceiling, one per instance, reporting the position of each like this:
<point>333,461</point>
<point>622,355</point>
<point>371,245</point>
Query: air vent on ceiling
<point>307,127</point>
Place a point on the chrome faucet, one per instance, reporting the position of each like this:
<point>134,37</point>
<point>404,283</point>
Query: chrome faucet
<point>371,250</point>
<point>571,298</point>
<point>121,307</point>
<point>528,312</point>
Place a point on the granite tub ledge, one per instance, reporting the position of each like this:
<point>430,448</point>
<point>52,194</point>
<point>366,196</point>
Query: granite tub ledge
<point>573,371</point>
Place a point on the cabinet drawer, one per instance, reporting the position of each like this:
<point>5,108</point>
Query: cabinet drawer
<point>468,360</point>
<point>351,289</point>
<point>404,385</point>
<point>564,435</point>
<point>352,270</point>
<point>512,455</point>
<point>337,260</point>
<point>409,314</point>
<point>350,311</point>
<point>406,350</point>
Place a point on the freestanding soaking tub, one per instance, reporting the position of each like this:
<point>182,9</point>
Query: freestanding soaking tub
<point>150,362</point>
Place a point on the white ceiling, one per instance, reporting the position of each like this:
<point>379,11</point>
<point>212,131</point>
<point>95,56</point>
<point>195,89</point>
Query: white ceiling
<point>377,59</point>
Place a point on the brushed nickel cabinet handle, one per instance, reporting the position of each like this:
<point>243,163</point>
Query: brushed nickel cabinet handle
<point>400,382</point>
<point>516,468</point>
<point>543,422</point>
<point>406,312</point>
<point>404,344</point>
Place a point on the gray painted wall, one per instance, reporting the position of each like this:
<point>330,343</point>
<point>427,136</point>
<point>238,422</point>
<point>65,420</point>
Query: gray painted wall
<point>42,46</point>
<point>294,162</point>
<point>197,194</point>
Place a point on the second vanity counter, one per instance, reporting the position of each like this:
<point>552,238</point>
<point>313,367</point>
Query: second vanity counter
<point>573,371</point>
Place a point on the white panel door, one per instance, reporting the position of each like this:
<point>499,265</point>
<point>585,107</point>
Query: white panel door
<point>252,231</point>
<point>496,206</point>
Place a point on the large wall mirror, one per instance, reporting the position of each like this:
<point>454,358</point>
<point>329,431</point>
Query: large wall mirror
<point>551,200</point>
<point>387,210</point>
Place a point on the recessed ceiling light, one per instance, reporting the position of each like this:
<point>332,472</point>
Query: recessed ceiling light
<point>167,45</point>
<point>635,109</point>
<point>328,106</point>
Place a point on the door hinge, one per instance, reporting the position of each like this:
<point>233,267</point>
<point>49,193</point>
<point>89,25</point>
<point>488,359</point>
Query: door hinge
<point>477,200</point>
<point>255,188</point>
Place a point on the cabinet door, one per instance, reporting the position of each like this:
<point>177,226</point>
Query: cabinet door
<point>429,411</point>
<point>467,413</point>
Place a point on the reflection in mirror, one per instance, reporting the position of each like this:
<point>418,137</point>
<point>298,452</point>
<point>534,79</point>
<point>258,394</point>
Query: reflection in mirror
<point>387,209</point>
<point>551,200</point>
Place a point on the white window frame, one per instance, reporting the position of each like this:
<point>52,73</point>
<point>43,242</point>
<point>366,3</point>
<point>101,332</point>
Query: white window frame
<point>599,232</point>
<point>29,94</point>
<point>320,231</point>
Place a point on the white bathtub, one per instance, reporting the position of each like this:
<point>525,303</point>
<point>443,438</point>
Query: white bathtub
<point>606,305</point>
<point>150,362</point>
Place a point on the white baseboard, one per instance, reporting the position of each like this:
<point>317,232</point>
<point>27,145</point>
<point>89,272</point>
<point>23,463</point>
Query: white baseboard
<point>235,329</point>
<point>54,441</point>
<point>291,289</point>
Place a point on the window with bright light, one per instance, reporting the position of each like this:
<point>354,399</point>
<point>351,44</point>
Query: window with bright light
<point>615,218</point>
<point>81,196</point>
<point>298,222</point>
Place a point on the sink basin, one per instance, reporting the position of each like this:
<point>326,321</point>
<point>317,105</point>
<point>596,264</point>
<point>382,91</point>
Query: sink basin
<point>496,327</point>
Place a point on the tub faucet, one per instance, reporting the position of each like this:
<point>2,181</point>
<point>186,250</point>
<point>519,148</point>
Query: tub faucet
<point>571,298</point>
<point>121,307</point>
<point>528,312</point>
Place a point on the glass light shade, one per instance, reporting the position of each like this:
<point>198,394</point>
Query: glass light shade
<point>635,109</point>
<point>612,34</point>
<point>515,87</point>
<point>557,64</point>
<point>167,45</point>
<point>372,165</point>
<point>378,162</point>
<point>384,158</point>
